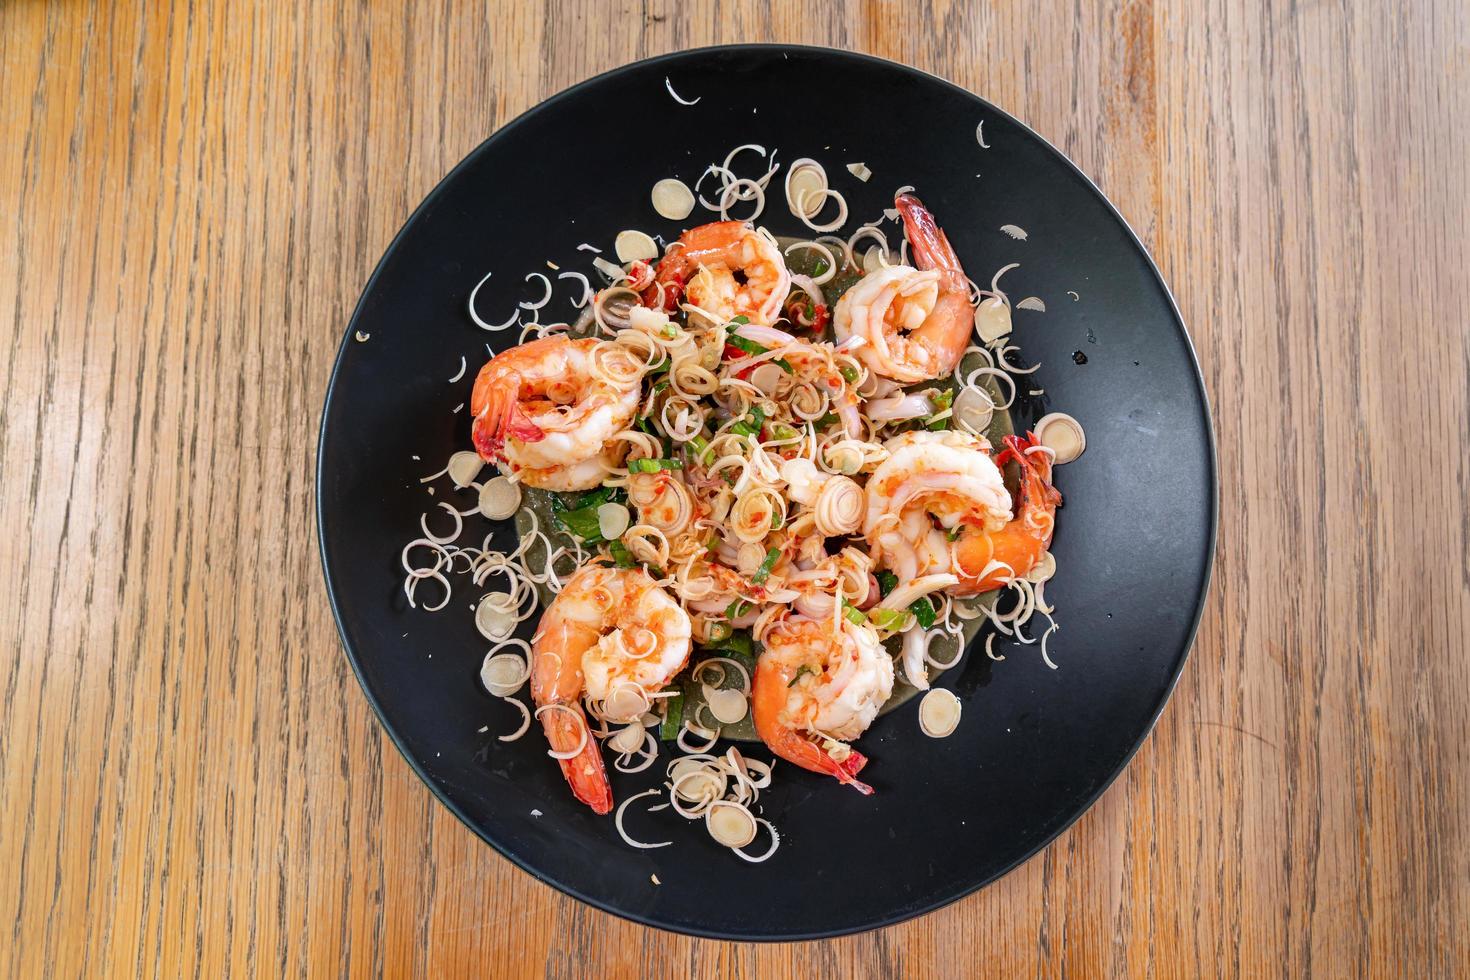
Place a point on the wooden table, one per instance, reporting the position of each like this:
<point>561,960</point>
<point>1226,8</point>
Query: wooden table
<point>191,197</point>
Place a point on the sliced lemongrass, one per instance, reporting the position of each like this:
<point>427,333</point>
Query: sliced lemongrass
<point>873,259</point>
<point>742,189</point>
<point>730,824</point>
<point>722,663</point>
<point>974,407</point>
<point>627,700</point>
<point>463,364</point>
<point>672,199</point>
<point>992,319</point>
<point>1045,658</point>
<point>806,201</point>
<point>525,721</point>
<point>545,296</point>
<point>581,724</point>
<point>775,843</point>
<point>860,170</point>
<point>649,755</point>
<point>767,377</point>
<point>1015,231</point>
<point>411,584</point>
<point>677,98</point>
<point>500,498</point>
<point>623,807</point>
<point>1063,435</point>
<point>727,707</point>
<point>627,740</point>
<point>613,272</point>
<point>712,736</point>
<point>612,520</point>
<point>586,287</point>
<point>806,181</point>
<point>939,713</point>
<point>463,467</point>
<point>631,245</point>
<point>440,557</point>
<point>493,621</point>
<point>1042,571</point>
<point>504,673</point>
<point>443,538</point>
<point>980,135</point>
<point>1033,303</point>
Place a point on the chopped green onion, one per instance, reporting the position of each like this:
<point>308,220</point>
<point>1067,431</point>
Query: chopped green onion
<point>742,319</point>
<point>621,555</point>
<point>764,572</point>
<point>673,718</point>
<point>811,311</point>
<point>738,645</point>
<point>819,268</point>
<point>778,521</point>
<point>853,614</point>
<point>890,619</point>
<point>654,465</point>
<point>953,534</point>
<point>827,420</point>
<point>923,610</point>
<point>783,431</point>
<point>849,373</point>
<point>784,365</point>
<point>670,331</point>
<point>719,631</point>
<point>736,609</point>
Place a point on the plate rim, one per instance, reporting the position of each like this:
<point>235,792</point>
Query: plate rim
<point>1211,541</point>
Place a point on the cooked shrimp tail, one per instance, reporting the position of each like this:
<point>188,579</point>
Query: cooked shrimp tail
<point>584,771</point>
<point>930,246</point>
<point>502,415</point>
<point>1018,546</point>
<point>771,683</point>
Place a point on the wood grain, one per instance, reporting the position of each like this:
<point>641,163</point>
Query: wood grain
<point>192,195</point>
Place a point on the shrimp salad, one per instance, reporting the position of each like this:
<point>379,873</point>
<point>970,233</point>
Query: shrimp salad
<point>771,477</point>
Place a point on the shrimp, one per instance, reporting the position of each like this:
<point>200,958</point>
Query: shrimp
<point>939,506</point>
<point>916,322</point>
<point>727,269</point>
<point>613,636</point>
<point>547,417</point>
<point>817,688</point>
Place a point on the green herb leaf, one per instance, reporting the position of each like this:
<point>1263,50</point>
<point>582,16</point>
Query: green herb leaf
<point>784,365</point>
<point>764,572</point>
<point>820,267</point>
<point>742,319</point>
<point>749,346</point>
<point>923,610</point>
<point>581,523</point>
<point>887,581</point>
<point>803,669</point>
<point>736,609</point>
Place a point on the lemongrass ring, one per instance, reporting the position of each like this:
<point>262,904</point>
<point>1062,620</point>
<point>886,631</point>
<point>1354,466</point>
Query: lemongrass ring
<point>612,521</point>
<point>802,202</point>
<point>806,182</point>
<point>1063,435</point>
<point>992,319</point>
<point>775,843</point>
<point>767,377</point>
<point>1042,571</point>
<point>464,467</point>
<point>494,623</point>
<point>499,498</point>
<point>618,822</point>
<point>504,673</point>
<point>939,713</point>
<point>632,245</point>
<point>443,539</point>
<point>525,721</point>
<point>672,199</point>
<point>627,740</point>
<point>730,824</point>
<point>974,408</point>
<point>722,663</point>
<point>727,707</point>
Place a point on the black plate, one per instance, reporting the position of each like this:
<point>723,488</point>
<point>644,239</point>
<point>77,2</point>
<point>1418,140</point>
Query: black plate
<point>1133,545</point>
